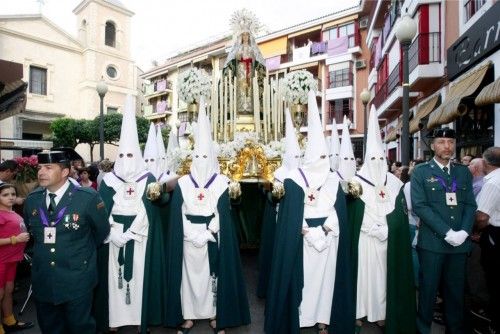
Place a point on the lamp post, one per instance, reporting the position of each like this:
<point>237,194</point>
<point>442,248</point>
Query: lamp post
<point>365,98</point>
<point>405,31</point>
<point>102,89</point>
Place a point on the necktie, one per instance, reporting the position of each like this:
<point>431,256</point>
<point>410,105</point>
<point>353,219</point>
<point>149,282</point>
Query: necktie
<point>52,204</point>
<point>445,170</point>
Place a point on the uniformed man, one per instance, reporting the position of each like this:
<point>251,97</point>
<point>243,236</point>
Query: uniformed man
<point>68,223</point>
<point>441,194</point>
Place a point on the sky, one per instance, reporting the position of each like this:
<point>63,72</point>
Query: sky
<point>161,28</point>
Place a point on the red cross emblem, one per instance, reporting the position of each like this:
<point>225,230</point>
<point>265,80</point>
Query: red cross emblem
<point>381,194</point>
<point>451,199</point>
<point>130,191</point>
<point>201,196</point>
<point>311,197</point>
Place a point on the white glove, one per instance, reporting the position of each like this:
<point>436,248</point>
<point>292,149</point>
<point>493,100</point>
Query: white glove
<point>456,238</point>
<point>116,238</point>
<point>332,224</point>
<point>316,238</point>
<point>214,225</point>
<point>202,238</point>
<point>381,232</point>
<point>127,236</point>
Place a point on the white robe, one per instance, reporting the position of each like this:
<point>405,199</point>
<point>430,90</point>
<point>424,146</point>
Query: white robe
<point>372,253</point>
<point>319,267</point>
<point>197,298</point>
<point>120,313</point>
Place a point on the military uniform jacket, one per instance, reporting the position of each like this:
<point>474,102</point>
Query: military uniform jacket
<point>436,217</point>
<point>66,270</point>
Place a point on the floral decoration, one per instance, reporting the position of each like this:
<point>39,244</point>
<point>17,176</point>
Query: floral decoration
<point>193,84</point>
<point>297,85</point>
<point>27,169</point>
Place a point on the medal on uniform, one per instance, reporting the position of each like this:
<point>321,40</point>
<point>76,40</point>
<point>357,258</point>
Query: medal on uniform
<point>201,196</point>
<point>451,199</point>
<point>382,195</point>
<point>311,197</point>
<point>49,235</point>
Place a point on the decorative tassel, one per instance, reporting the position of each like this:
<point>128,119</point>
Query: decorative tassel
<point>120,279</point>
<point>127,296</point>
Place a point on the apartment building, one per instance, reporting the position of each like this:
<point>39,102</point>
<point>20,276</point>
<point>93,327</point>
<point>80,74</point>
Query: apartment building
<point>444,77</point>
<point>331,47</point>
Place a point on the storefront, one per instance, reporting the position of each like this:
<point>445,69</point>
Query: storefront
<point>472,97</point>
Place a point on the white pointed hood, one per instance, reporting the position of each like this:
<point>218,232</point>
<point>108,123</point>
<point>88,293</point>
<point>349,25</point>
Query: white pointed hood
<point>374,166</point>
<point>379,196</point>
<point>151,157</point>
<point>316,165</point>
<point>347,162</point>
<point>334,147</point>
<point>173,144</point>
<point>160,145</point>
<point>291,156</point>
<point>129,164</point>
<point>203,156</point>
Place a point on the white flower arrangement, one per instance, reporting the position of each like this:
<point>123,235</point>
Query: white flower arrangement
<point>297,85</point>
<point>194,83</point>
<point>274,149</point>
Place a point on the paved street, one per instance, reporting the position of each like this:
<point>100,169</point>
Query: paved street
<point>249,258</point>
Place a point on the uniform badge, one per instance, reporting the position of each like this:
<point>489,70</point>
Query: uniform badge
<point>66,221</point>
<point>76,216</point>
<point>100,205</point>
<point>432,179</point>
<point>34,213</point>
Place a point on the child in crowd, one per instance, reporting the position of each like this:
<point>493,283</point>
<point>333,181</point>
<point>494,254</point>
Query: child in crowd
<point>13,239</point>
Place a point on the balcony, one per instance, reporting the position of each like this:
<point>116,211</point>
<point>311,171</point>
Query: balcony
<point>340,85</point>
<point>160,109</point>
<point>389,21</point>
<point>424,60</point>
<point>147,110</point>
<point>157,88</point>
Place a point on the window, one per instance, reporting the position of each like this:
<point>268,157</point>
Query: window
<point>38,80</point>
<point>110,34</point>
<point>111,110</point>
<point>341,31</point>
<point>340,77</point>
<point>340,108</point>
<point>471,8</point>
<point>111,72</point>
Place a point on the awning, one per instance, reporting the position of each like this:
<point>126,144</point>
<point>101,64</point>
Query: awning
<point>489,94</point>
<point>302,66</point>
<point>393,134</point>
<point>273,47</point>
<point>423,110</point>
<point>463,87</point>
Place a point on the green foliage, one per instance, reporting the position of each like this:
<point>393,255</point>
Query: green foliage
<point>142,129</point>
<point>63,130</point>
<point>165,133</point>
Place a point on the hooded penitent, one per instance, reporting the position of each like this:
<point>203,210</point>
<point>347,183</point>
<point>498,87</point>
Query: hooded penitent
<point>315,165</point>
<point>151,153</point>
<point>347,163</point>
<point>291,157</point>
<point>160,145</point>
<point>203,164</point>
<point>383,188</point>
<point>129,162</point>
<point>334,147</point>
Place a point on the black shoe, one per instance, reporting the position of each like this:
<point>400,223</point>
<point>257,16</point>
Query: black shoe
<point>18,326</point>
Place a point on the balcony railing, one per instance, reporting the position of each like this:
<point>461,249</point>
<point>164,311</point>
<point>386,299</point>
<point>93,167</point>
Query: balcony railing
<point>148,110</point>
<point>471,8</point>
<point>390,20</point>
<point>338,114</point>
<point>425,49</point>
<point>389,85</point>
<point>158,86</point>
<point>340,78</point>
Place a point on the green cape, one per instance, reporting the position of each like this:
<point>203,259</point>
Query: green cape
<point>400,299</point>
<point>266,243</point>
<point>232,302</point>
<point>286,282</point>
<point>154,295</point>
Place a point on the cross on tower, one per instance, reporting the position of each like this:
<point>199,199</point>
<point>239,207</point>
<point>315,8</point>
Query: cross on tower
<point>130,191</point>
<point>382,194</point>
<point>311,197</point>
<point>201,196</point>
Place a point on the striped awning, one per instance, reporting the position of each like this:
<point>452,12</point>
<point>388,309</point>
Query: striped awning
<point>423,110</point>
<point>489,94</point>
<point>463,87</point>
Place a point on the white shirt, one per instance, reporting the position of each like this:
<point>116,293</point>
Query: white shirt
<point>59,194</point>
<point>488,200</point>
<point>442,166</point>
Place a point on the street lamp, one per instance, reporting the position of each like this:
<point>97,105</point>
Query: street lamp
<point>365,98</point>
<point>405,31</point>
<point>102,89</point>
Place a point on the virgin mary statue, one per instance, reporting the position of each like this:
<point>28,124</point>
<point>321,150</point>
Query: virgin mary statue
<point>245,61</point>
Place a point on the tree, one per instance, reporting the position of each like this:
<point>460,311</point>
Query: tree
<point>63,130</point>
<point>87,132</point>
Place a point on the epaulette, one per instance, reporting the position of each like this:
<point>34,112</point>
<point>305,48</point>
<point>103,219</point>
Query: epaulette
<point>36,190</point>
<point>87,190</point>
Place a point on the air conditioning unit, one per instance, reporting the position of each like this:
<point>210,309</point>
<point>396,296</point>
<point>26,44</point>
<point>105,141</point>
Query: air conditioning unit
<point>360,64</point>
<point>363,23</point>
